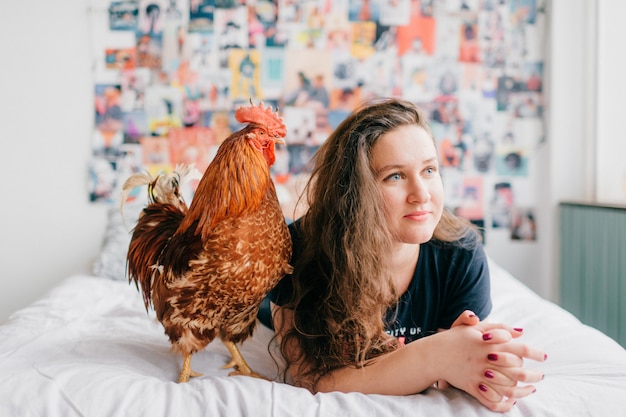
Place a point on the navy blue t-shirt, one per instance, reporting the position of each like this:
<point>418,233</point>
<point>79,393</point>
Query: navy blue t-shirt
<point>448,279</point>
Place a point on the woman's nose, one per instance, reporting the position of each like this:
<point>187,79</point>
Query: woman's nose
<point>418,192</point>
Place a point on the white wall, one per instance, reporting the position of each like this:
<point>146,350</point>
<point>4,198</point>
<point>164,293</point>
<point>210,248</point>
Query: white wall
<point>49,230</point>
<point>611,146</point>
<point>571,125</point>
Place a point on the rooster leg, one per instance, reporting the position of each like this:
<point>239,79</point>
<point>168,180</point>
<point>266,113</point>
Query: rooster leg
<point>239,362</point>
<point>186,372</point>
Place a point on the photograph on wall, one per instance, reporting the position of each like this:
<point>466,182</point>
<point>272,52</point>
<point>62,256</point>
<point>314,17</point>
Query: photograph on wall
<point>501,205</point>
<point>123,15</point>
<point>523,224</point>
<point>108,108</point>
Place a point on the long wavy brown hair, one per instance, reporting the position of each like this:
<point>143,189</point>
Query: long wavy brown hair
<point>342,287</point>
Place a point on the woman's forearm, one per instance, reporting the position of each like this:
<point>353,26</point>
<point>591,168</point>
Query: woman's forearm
<point>480,359</point>
<point>408,370</point>
<point>459,356</point>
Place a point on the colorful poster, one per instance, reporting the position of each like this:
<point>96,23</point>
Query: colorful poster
<point>120,59</point>
<point>245,66</point>
<point>166,89</point>
<point>191,146</point>
<point>472,198</point>
<point>201,13</point>
<point>123,15</point>
<point>108,108</point>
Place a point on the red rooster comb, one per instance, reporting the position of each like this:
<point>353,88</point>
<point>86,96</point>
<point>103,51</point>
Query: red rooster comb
<point>263,116</point>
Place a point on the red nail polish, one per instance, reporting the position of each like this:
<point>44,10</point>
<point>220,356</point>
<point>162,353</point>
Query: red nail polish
<point>489,374</point>
<point>487,336</point>
<point>518,329</point>
<point>492,357</point>
<point>482,387</point>
<point>545,356</point>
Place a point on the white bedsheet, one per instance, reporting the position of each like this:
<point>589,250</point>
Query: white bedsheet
<point>88,348</point>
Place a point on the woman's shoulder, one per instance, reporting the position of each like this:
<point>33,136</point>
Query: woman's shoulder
<point>467,250</point>
<point>295,230</point>
<point>458,262</point>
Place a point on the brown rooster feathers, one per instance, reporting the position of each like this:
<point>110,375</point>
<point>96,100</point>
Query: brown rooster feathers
<point>206,269</point>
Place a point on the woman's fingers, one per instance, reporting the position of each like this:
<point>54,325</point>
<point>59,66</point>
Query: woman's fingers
<point>504,351</point>
<point>497,336</point>
<point>502,376</point>
<point>487,327</point>
<point>498,406</point>
<point>467,318</point>
<point>496,377</point>
<point>526,351</point>
<point>503,393</point>
<point>505,359</point>
<point>507,368</point>
<point>501,399</point>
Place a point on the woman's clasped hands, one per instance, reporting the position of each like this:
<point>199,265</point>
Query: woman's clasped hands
<point>487,362</point>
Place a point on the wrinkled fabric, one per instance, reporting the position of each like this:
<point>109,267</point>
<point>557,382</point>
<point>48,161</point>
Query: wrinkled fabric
<point>88,348</point>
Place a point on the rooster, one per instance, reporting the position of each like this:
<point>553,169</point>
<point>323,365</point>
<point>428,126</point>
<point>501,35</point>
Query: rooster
<point>206,269</point>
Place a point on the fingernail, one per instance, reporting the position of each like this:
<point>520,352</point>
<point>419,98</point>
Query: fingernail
<point>482,387</point>
<point>535,390</point>
<point>543,376</point>
<point>545,356</point>
<point>489,374</point>
<point>487,336</point>
<point>492,357</point>
<point>518,329</point>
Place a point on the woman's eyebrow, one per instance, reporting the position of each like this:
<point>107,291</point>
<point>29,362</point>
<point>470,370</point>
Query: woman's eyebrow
<point>396,166</point>
<point>388,168</point>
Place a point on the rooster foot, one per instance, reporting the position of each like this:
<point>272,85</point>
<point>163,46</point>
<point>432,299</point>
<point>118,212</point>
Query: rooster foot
<point>239,363</point>
<point>187,372</point>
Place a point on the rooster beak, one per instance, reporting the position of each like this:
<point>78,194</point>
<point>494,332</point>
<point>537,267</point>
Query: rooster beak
<point>280,141</point>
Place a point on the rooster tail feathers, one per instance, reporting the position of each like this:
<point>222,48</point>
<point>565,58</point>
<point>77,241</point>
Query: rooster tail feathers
<point>157,223</point>
<point>151,235</point>
<point>135,180</point>
<point>164,188</point>
<point>187,172</point>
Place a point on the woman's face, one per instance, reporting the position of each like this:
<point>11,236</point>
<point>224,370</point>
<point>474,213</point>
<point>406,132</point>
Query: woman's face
<point>407,170</point>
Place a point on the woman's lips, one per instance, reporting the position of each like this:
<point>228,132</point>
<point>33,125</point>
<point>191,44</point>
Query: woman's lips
<point>418,215</point>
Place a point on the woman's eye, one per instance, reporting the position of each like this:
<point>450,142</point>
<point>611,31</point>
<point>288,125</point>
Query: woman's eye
<point>394,177</point>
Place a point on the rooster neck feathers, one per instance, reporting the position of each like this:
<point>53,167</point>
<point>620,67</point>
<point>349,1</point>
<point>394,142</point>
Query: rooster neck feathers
<point>235,183</point>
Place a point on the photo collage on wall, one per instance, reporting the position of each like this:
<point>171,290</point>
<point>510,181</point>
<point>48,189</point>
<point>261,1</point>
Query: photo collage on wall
<point>169,75</point>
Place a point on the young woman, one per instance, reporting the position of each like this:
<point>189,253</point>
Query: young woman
<point>389,288</point>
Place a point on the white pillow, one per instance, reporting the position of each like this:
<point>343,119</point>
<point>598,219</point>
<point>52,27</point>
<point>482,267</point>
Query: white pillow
<point>111,261</point>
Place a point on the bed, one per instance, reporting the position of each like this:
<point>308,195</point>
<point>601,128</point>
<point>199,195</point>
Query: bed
<point>89,348</point>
